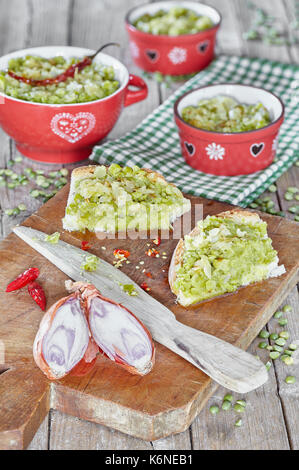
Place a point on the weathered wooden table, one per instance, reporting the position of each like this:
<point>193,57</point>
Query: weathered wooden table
<point>271,417</point>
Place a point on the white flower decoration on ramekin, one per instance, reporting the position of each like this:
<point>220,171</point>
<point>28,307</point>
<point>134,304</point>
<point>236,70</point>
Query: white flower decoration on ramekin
<point>177,55</point>
<point>134,49</point>
<point>215,151</point>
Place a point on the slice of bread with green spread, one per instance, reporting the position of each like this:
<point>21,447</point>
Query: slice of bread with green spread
<point>221,254</point>
<point>115,199</point>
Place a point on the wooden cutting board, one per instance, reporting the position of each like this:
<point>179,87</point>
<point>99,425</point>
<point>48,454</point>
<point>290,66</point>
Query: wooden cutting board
<point>151,407</point>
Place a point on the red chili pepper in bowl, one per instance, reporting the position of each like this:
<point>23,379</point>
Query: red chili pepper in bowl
<point>23,279</point>
<point>68,73</point>
<point>37,293</point>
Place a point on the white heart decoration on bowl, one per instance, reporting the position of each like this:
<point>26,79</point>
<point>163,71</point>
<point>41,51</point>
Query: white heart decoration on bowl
<point>73,127</point>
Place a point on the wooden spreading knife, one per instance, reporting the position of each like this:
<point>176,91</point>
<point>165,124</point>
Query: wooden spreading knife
<point>228,365</point>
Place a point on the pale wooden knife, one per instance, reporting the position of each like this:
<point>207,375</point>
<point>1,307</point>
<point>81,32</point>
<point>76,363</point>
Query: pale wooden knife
<point>228,365</point>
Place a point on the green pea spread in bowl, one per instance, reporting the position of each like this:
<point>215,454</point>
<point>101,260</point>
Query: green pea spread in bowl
<point>94,82</point>
<point>224,114</point>
<point>175,22</point>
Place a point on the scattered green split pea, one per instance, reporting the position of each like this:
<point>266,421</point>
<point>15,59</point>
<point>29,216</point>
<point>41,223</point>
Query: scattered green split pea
<point>280,342</point>
<point>214,409</point>
<point>274,355</point>
<point>239,408</point>
<point>284,334</point>
<point>228,397</point>
<point>278,314</point>
<point>274,336</point>
<point>288,360</point>
<point>290,379</point>
<point>226,405</point>
<point>264,334</point>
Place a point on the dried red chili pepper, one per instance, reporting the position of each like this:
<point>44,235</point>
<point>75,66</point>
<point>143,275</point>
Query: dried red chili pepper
<point>149,275</point>
<point>152,253</point>
<point>118,253</point>
<point>37,293</point>
<point>157,241</point>
<point>84,245</point>
<point>23,279</point>
<point>68,73</point>
<point>145,287</point>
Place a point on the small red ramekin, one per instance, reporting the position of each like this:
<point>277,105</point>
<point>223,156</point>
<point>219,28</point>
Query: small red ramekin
<point>66,133</point>
<point>230,154</point>
<point>172,55</point>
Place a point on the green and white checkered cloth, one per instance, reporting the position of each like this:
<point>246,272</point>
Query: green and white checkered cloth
<point>154,143</point>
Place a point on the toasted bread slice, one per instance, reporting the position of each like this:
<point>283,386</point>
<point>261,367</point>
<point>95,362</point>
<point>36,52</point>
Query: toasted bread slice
<point>116,184</point>
<point>241,218</point>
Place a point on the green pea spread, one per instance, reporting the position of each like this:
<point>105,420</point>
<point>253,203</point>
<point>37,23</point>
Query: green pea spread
<point>94,82</point>
<point>118,199</point>
<point>175,22</point>
<point>225,114</point>
<point>224,255</point>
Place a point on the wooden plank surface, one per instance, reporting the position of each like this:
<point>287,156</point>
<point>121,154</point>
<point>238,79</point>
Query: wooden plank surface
<point>25,23</point>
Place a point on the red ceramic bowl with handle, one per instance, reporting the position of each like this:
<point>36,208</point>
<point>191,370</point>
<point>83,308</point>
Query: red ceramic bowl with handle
<point>172,55</point>
<point>65,133</point>
<point>230,154</point>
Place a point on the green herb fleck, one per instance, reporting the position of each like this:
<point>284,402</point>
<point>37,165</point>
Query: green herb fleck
<point>52,238</point>
<point>129,289</point>
<point>90,263</point>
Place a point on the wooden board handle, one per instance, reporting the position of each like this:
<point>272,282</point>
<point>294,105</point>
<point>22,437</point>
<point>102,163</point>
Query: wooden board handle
<point>228,365</point>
